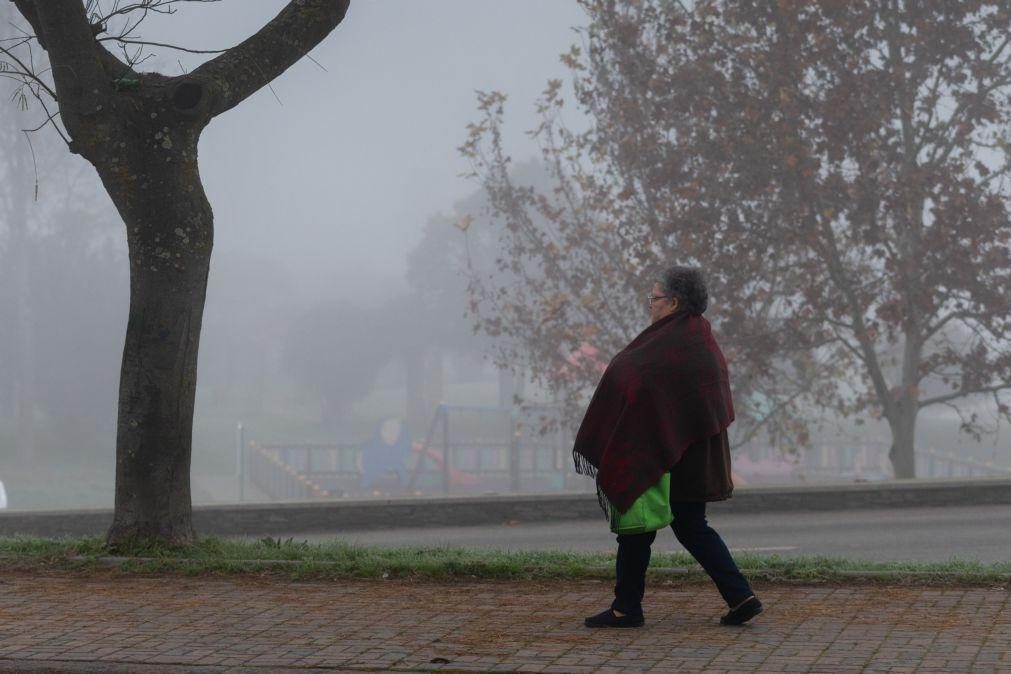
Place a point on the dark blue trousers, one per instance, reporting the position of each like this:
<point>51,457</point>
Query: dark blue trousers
<point>698,538</point>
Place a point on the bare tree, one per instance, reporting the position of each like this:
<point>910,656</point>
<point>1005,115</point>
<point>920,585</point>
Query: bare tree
<point>140,131</point>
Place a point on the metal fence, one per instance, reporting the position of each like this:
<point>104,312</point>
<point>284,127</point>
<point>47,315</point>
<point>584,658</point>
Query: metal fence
<point>467,450</point>
<point>472,449</point>
<point>297,472</point>
<point>858,461</point>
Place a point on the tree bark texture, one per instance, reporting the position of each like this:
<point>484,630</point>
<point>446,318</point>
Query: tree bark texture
<point>170,232</point>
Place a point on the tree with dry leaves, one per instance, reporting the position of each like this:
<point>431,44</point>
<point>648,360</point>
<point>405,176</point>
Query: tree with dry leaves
<point>840,170</point>
<point>140,131</point>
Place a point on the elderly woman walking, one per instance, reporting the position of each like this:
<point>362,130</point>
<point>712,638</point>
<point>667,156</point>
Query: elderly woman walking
<point>663,405</point>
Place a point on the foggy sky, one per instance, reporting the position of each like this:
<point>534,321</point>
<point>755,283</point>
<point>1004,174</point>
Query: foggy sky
<point>317,196</point>
<point>335,182</point>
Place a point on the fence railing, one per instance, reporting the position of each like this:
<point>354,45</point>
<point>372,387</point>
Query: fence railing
<point>297,472</point>
<point>520,449</point>
<point>862,461</point>
<point>474,449</point>
<point>932,463</point>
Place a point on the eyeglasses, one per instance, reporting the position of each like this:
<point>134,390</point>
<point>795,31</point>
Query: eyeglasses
<point>653,298</point>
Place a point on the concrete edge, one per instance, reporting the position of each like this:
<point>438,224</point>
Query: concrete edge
<point>282,519</point>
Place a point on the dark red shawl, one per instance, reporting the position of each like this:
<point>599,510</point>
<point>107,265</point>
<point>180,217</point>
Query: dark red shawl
<point>666,390</point>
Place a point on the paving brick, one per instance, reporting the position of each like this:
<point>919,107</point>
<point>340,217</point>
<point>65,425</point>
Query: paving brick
<point>274,624</point>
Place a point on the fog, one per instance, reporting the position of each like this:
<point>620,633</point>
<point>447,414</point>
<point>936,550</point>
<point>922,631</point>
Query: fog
<point>321,187</point>
<point>335,194</point>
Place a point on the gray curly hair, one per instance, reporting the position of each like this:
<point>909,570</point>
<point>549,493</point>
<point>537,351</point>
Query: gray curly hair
<point>688,285</point>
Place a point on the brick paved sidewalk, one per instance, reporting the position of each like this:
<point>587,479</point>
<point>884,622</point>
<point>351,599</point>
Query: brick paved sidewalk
<point>111,622</point>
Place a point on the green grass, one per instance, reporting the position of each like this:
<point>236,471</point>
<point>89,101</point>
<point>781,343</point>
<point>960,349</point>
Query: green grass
<point>301,560</point>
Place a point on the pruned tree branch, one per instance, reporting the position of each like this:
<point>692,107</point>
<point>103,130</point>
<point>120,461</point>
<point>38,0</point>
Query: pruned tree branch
<point>244,69</point>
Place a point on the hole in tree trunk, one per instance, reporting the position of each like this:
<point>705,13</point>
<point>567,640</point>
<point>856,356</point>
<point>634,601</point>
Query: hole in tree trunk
<point>187,96</point>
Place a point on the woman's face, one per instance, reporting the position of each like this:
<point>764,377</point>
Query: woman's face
<point>660,304</point>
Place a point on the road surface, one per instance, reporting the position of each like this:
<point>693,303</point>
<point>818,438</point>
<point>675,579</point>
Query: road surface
<point>980,533</point>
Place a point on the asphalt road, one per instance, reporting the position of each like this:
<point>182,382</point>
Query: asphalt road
<point>980,533</point>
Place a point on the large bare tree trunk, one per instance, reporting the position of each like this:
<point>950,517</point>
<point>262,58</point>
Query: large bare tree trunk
<point>157,190</point>
<point>140,131</point>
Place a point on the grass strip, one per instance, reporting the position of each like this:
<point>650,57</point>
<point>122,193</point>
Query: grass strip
<point>338,559</point>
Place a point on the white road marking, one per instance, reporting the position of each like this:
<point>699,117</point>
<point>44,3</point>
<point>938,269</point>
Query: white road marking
<point>769,548</point>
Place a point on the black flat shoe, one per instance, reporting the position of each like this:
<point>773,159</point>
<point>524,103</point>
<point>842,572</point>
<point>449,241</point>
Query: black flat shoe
<point>608,618</point>
<point>743,612</point>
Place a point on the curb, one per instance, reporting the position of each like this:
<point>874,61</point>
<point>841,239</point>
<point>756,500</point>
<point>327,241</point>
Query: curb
<point>334,516</point>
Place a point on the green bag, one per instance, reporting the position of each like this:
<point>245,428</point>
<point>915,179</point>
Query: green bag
<point>649,512</point>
